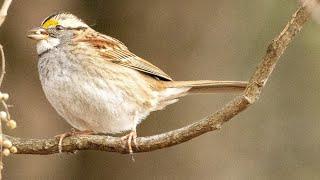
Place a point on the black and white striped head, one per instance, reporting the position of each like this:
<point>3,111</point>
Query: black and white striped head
<point>65,20</point>
<point>56,29</point>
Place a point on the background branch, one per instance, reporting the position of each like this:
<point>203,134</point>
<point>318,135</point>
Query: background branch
<point>4,10</point>
<point>3,14</point>
<point>210,123</point>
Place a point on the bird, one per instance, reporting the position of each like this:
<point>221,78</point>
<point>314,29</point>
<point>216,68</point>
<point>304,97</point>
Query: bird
<point>98,85</point>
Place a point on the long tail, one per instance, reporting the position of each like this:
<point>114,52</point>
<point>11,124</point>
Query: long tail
<point>176,89</point>
<point>207,86</point>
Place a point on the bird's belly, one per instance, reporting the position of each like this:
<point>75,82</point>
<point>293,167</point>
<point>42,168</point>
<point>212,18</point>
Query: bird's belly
<point>94,101</point>
<point>88,106</point>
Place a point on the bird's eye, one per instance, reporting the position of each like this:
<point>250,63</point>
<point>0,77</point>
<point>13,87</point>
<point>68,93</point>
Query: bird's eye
<point>59,27</point>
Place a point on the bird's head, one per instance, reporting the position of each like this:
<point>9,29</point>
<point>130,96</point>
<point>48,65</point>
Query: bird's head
<point>56,29</point>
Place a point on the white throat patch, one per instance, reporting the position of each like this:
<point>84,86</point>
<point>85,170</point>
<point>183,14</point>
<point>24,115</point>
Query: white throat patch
<point>47,44</point>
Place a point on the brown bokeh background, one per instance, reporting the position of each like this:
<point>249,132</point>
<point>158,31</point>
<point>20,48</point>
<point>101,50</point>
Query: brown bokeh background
<point>277,138</point>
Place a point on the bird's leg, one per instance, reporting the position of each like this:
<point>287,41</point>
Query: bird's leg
<point>131,137</point>
<point>73,132</point>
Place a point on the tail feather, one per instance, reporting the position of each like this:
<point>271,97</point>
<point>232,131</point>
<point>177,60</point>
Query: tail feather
<point>207,86</point>
<point>176,89</point>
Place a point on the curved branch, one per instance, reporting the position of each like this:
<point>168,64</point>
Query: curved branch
<point>210,123</point>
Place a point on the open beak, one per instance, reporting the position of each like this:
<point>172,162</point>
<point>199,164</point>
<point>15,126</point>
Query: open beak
<point>38,34</point>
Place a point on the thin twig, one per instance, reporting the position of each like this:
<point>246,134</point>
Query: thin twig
<point>4,10</point>
<point>210,123</point>
<point>3,14</point>
<point>3,72</point>
<point>6,109</point>
<point>3,65</point>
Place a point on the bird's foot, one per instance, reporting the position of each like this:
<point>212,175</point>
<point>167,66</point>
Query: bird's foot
<point>73,132</point>
<point>131,138</point>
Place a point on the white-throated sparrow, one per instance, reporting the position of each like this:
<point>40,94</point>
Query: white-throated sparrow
<point>97,84</point>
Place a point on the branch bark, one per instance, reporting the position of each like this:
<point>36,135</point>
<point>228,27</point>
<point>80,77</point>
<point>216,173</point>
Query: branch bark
<point>210,123</point>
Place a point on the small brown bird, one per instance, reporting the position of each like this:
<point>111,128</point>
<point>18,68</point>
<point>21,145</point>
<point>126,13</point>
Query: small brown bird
<point>96,84</point>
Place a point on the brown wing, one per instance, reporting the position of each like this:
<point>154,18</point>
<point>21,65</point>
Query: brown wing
<point>115,51</point>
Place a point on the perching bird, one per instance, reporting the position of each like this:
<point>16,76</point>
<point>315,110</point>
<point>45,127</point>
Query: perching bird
<point>96,84</point>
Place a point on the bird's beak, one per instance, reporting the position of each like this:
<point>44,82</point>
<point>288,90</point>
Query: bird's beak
<point>38,34</point>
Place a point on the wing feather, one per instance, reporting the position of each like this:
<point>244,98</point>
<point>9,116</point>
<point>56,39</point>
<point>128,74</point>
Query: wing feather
<point>115,51</point>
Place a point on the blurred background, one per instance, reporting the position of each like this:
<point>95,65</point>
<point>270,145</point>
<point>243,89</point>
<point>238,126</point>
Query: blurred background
<point>277,138</point>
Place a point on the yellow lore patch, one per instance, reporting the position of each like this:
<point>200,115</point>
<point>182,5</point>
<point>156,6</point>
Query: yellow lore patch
<point>50,23</point>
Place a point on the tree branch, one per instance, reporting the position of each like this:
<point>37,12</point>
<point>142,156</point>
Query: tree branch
<point>210,123</point>
<point>4,10</point>
<point>3,14</point>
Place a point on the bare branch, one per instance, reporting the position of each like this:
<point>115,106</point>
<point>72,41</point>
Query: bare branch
<point>3,14</point>
<point>4,10</point>
<point>210,123</point>
<point>3,65</point>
